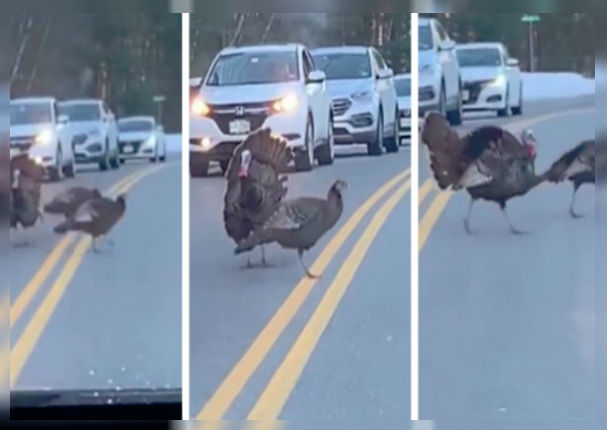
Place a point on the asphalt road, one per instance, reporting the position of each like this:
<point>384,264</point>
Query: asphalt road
<point>111,320</point>
<point>267,344</point>
<point>507,323</point>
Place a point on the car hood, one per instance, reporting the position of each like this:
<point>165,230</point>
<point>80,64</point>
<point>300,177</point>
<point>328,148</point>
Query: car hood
<point>479,73</point>
<point>79,127</point>
<point>427,57</point>
<point>28,130</point>
<point>247,93</point>
<point>339,88</point>
<point>404,102</point>
<point>134,135</point>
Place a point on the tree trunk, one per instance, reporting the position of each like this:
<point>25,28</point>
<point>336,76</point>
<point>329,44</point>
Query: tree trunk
<point>17,63</point>
<point>267,30</point>
<point>238,30</point>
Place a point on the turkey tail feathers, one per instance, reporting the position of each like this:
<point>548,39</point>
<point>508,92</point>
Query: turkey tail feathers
<point>442,142</point>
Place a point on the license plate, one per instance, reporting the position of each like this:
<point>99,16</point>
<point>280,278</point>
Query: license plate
<point>240,126</point>
<point>405,122</point>
<point>128,149</point>
<point>466,95</point>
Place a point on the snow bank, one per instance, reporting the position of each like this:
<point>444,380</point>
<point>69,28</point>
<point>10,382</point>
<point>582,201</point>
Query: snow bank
<point>174,143</point>
<point>538,86</point>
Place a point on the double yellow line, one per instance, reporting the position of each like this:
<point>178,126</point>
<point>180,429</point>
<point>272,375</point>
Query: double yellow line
<point>23,348</point>
<point>282,383</point>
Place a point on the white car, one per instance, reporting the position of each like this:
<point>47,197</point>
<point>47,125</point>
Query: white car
<point>37,128</point>
<point>492,80</point>
<point>402,84</point>
<point>363,97</point>
<point>95,135</point>
<point>247,88</point>
<point>440,84</point>
<point>139,137</point>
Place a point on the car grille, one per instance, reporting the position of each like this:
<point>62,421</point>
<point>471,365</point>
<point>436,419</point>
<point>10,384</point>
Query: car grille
<point>136,144</point>
<point>426,93</point>
<point>79,139</point>
<point>475,89</point>
<point>22,143</point>
<point>405,113</point>
<point>340,106</point>
<point>255,113</point>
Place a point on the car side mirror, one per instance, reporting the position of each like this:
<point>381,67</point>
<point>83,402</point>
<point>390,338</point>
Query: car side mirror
<point>447,45</point>
<point>512,62</point>
<point>316,77</point>
<point>384,73</point>
<point>63,119</point>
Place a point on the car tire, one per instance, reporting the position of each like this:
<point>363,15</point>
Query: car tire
<point>375,147</point>
<point>392,143</point>
<point>442,102</point>
<point>506,111</point>
<point>199,170</point>
<point>455,116</point>
<point>326,153</point>
<point>115,160</point>
<point>56,173</point>
<point>70,169</point>
<point>518,110</point>
<point>163,157</point>
<point>304,160</point>
<point>105,163</point>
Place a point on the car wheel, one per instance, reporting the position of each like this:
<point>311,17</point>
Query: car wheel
<point>326,153</point>
<point>506,111</point>
<point>224,165</point>
<point>392,143</point>
<point>115,161</point>
<point>376,146</point>
<point>304,160</point>
<point>56,172</point>
<point>105,163</point>
<point>442,102</point>
<point>199,170</point>
<point>518,110</point>
<point>455,116</point>
<point>163,157</point>
<point>70,169</point>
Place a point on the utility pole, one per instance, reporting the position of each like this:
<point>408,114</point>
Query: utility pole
<point>159,100</point>
<point>531,19</point>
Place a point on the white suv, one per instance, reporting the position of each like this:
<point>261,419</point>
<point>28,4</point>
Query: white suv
<point>492,80</point>
<point>363,98</point>
<point>440,84</point>
<point>95,134</point>
<point>246,88</point>
<point>38,129</point>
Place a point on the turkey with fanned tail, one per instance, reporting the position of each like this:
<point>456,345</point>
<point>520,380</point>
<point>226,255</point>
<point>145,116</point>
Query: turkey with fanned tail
<point>299,224</point>
<point>489,162</point>
<point>255,184</point>
<point>576,165</point>
<point>26,182</point>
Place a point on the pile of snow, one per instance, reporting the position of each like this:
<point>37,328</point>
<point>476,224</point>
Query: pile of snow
<point>174,143</point>
<point>537,86</point>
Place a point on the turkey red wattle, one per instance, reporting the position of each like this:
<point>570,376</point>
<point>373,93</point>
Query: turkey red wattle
<point>532,150</point>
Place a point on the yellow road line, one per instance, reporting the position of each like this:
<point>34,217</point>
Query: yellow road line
<point>279,389</point>
<point>31,289</point>
<point>431,215</point>
<point>232,385</point>
<point>425,189</point>
<point>23,348</point>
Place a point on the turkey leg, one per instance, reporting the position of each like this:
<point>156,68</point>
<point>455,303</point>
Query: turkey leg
<point>303,264</point>
<point>467,219</point>
<point>572,211</point>
<point>513,229</point>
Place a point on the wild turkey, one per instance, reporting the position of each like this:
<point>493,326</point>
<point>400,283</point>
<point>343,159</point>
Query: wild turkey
<point>26,181</point>
<point>67,203</point>
<point>298,224</point>
<point>576,165</point>
<point>255,186</point>
<point>97,216</point>
<point>489,162</point>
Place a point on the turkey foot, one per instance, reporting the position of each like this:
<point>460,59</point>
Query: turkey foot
<point>572,211</point>
<point>467,219</point>
<point>513,229</point>
<point>303,264</point>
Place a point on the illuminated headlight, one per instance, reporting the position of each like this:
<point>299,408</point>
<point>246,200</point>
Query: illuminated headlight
<point>38,161</point>
<point>205,142</point>
<point>150,141</point>
<point>500,81</point>
<point>362,96</point>
<point>44,137</point>
<point>286,104</point>
<point>199,107</point>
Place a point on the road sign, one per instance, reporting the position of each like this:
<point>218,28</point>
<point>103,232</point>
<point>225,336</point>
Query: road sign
<point>530,18</point>
<point>159,99</point>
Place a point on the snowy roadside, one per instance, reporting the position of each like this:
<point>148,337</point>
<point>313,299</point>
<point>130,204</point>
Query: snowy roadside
<point>561,85</point>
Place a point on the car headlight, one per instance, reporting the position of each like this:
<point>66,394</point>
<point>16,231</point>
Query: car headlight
<point>362,96</point>
<point>199,107</point>
<point>44,137</point>
<point>150,141</point>
<point>500,81</point>
<point>286,104</point>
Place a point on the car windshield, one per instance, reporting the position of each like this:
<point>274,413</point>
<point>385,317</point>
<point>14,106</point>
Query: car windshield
<point>249,68</point>
<point>30,113</point>
<point>344,66</point>
<point>481,57</point>
<point>403,87</point>
<point>425,38</point>
<point>81,111</point>
<point>135,125</point>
